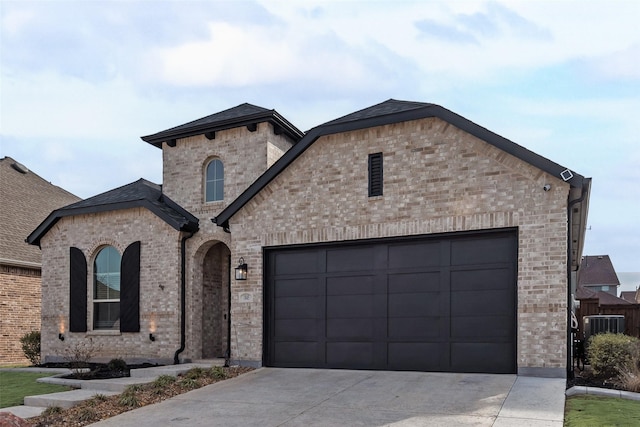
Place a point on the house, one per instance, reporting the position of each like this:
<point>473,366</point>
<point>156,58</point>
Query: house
<point>25,201</point>
<point>399,237</point>
<point>597,274</point>
<point>631,296</point>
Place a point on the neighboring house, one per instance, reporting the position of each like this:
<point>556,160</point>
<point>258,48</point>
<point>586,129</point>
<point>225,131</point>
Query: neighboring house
<point>631,296</point>
<point>597,274</point>
<point>603,297</point>
<point>25,201</point>
<point>400,237</point>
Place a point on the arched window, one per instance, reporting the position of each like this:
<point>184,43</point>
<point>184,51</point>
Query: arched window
<point>214,181</point>
<point>106,289</point>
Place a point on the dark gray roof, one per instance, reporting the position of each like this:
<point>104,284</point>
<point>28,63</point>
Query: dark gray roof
<point>391,106</point>
<point>388,112</point>
<point>141,193</point>
<point>25,201</point>
<point>597,270</point>
<point>241,115</point>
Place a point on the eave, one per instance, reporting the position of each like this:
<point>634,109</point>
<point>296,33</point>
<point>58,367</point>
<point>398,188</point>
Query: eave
<point>279,123</point>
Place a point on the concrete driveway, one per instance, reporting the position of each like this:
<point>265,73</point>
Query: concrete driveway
<point>314,397</point>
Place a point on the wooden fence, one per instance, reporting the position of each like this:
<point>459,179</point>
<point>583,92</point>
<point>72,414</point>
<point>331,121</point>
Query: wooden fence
<point>631,313</point>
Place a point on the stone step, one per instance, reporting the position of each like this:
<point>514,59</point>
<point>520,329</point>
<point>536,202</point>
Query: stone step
<point>65,399</point>
<point>114,384</point>
<point>174,370</point>
<point>23,411</point>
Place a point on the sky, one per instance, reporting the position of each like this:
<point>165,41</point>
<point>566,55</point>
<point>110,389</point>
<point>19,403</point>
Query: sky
<point>82,81</point>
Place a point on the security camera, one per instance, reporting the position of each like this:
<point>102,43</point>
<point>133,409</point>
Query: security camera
<point>547,187</point>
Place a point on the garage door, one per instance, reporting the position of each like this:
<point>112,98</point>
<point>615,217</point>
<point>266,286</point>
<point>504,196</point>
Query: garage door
<point>428,304</point>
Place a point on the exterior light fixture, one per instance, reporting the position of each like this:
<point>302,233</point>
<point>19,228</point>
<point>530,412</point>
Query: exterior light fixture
<point>61,336</point>
<point>151,337</point>
<point>241,270</point>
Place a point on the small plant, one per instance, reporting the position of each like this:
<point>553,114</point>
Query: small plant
<point>129,397</point>
<point>189,383</point>
<point>163,381</point>
<point>79,355</point>
<point>194,373</point>
<point>87,414</point>
<point>31,346</point>
<point>117,365</point>
<point>610,352</point>
<point>100,397</point>
<point>217,373</point>
<point>52,410</point>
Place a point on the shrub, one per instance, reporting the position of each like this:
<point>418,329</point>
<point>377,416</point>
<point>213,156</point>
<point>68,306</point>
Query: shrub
<point>79,354</point>
<point>117,365</point>
<point>629,374</point>
<point>610,352</point>
<point>31,346</point>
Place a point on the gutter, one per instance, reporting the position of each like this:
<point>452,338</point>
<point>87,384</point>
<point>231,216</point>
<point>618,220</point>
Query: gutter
<point>183,301</point>
<point>569,299</point>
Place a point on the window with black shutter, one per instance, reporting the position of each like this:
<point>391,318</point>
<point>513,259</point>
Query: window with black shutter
<point>77,291</point>
<point>375,174</point>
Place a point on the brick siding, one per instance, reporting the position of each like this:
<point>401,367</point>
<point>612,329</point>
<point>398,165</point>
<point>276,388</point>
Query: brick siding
<point>159,284</point>
<point>437,179</point>
<point>20,308</point>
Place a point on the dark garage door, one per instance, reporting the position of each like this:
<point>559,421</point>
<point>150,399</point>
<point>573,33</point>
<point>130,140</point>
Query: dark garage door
<point>429,304</point>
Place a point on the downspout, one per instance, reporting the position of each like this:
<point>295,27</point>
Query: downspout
<point>569,300</point>
<point>183,297</point>
<point>228,352</point>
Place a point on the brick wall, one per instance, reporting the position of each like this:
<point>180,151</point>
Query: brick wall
<point>159,284</point>
<point>437,179</point>
<point>244,154</point>
<point>20,308</point>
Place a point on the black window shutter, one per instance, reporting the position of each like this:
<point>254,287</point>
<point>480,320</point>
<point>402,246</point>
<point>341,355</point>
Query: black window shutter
<point>130,289</point>
<point>375,174</point>
<point>77,291</point>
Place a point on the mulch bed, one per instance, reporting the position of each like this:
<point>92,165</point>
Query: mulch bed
<point>103,407</point>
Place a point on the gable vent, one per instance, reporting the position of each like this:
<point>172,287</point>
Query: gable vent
<point>375,174</point>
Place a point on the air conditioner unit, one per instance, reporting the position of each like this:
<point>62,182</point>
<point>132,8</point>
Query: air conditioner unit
<point>600,324</point>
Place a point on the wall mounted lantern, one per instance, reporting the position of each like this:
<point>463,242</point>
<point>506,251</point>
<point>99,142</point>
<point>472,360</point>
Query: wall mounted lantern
<point>241,270</point>
<point>151,337</point>
<point>61,336</point>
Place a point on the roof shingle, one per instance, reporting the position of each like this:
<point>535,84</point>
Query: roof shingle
<point>25,200</point>
<point>141,193</point>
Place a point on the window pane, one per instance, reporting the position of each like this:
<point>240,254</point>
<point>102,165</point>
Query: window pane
<point>214,185</point>
<point>210,190</point>
<point>106,315</point>
<point>219,186</point>
<point>106,284</point>
<point>211,171</point>
<point>219,173</point>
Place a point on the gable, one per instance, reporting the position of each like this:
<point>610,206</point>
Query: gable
<point>432,171</point>
<point>390,112</point>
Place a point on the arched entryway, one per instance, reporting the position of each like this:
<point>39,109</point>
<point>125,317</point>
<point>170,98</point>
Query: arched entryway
<point>216,280</point>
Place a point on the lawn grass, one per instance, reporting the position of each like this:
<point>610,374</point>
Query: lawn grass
<point>14,386</point>
<point>585,410</point>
